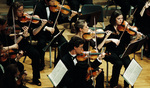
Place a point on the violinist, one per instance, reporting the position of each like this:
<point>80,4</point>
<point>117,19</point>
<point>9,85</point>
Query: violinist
<point>43,9</point>
<point>82,27</point>
<point>142,19</point>
<point>8,80</point>
<point>126,4</point>
<point>77,70</point>
<point>75,5</point>
<point>7,45</point>
<point>116,46</point>
<point>33,29</point>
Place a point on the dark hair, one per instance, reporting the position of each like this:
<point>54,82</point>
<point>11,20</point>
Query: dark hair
<point>13,8</point>
<point>114,15</point>
<point>79,24</point>
<point>2,20</point>
<point>75,42</point>
<point>8,79</point>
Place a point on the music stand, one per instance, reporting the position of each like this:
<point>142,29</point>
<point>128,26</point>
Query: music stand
<point>60,33</point>
<point>133,47</point>
<point>90,17</point>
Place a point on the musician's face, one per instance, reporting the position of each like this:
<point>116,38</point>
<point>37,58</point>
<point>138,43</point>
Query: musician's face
<point>20,11</point>
<point>119,20</point>
<point>85,28</point>
<point>79,49</point>
<point>52,2</point>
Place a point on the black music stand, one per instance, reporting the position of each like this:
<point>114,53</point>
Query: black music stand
<point>132,48</point>
<point>46,47</point>
<point>90,17</point>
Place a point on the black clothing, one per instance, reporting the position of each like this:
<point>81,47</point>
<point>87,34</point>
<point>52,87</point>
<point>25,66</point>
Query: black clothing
<point>143,23</point>
<point>115,53</point>
<point>29,49</point>
<point>76,74</point>
<point>45,36</point>
<point>75,5</point>
<point>125,5</point>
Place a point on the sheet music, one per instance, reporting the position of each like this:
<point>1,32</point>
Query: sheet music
<point>132,72</point>
<point>57,74</point>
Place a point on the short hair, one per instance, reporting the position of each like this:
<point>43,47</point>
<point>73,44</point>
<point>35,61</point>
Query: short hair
<point>75,42</point>
<point>114,15</point>
<point>79,24</point>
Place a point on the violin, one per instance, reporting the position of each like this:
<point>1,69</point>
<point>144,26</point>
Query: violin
<point>99,34</point>
<point>21,77</point>
<point>92,55</point>
<point>65,9</point>
<point>26,18</point>
<point>132,30</point>
<point>9,54</point>
<point>91,72</point>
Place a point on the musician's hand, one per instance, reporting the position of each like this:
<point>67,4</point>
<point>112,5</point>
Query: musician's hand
<point>25,32</point>
<point>44,21</point>
<point>101,56</point>
<point>108,33</point>
<point>147,4</point>
<point>50,29</point>
<point>73,14</point>
<point>19,55</point>
<point>116,41</point>
<point>139,35</point>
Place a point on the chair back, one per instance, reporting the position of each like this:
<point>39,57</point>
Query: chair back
<point>89,11</point>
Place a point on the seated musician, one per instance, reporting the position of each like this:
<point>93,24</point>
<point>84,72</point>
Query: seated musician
<point>116,44</point>
<point>11,78</point>
<point>7,53</point>
<point>76,76</point>
<point>81,27</point>
<point>15,16</point>
<point>45,10</point>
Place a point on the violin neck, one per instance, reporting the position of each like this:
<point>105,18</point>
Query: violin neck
<point>133,30</point>
<point>65,9</point>
<point>33,18</point>
<point>100,32</point>
<point>94,53</point>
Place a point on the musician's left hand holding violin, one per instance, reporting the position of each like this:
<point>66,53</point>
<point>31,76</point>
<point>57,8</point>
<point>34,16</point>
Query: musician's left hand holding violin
<point>101,56</point>
<point>73,14</point>
<point>25,32</point>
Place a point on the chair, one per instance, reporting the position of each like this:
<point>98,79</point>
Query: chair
<point>110,3</point>
<point>89,11</point>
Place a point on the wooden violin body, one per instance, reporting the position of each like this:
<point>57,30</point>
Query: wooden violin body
<point>132,30</point>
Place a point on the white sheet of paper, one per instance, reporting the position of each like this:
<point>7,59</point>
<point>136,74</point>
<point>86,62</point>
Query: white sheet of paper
<point>57,74</point>
<point>132,72</point>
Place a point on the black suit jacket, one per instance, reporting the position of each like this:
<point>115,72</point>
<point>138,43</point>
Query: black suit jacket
<point>42,13</point>
<point>76,74</point>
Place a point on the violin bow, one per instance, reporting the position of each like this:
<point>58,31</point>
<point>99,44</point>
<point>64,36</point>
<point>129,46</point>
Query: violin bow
<point>58,14</point>
<point>32,16</point>
<point>15,38</point>
<point>123,32</point>
<point>95,33</point>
